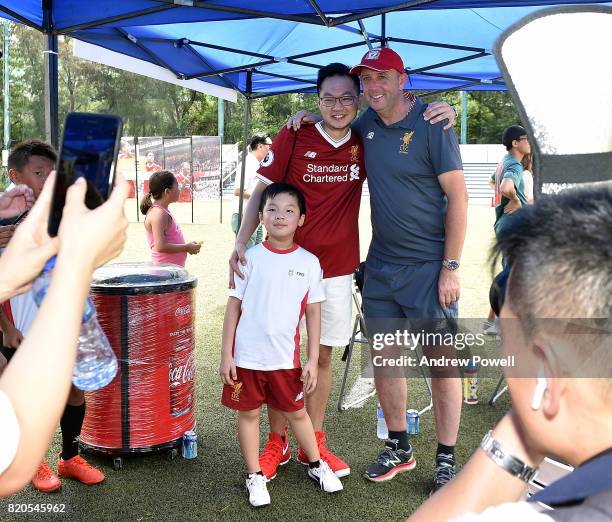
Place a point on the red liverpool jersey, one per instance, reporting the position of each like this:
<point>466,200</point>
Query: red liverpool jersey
<point>330,174</point>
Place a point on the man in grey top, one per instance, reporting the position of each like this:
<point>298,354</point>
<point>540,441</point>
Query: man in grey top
<point>419,215</point>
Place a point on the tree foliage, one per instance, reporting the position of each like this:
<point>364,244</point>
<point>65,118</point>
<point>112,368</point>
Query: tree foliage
<point>154,108</point>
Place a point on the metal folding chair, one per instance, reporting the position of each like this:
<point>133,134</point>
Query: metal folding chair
<point>359,335</point>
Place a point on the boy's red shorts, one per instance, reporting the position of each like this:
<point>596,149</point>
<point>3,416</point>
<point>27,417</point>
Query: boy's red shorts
<point>280,389</point>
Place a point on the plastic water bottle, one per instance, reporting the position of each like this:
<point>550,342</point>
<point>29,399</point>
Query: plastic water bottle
<point>381,425</point>
<point>96,363</point>
<point>470,383</point>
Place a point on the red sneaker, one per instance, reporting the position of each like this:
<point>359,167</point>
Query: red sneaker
<point>275,454</point>
<point>45,480</point>
<point>78,468</point>
<point>337,465</point>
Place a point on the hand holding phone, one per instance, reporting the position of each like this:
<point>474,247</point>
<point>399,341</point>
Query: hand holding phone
<point>89,149</point>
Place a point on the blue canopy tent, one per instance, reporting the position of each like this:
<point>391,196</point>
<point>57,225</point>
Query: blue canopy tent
<point>277,48</point>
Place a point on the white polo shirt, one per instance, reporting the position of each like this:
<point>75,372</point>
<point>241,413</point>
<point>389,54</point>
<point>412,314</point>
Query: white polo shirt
<point>277,286</point>
<point>9,433</point>
<point>250,171</point>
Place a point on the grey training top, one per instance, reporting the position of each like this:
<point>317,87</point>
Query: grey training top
<point>408,205</point>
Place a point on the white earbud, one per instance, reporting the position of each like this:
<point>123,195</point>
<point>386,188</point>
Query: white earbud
<point>539,391</point>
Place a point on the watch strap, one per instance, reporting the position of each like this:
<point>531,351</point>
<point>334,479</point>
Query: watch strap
<point>513,465</point>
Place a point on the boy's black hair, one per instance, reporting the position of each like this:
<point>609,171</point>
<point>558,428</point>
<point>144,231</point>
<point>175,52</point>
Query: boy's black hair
<point>259,139</point>
<point>514,132</point>
<point>336,69</point>
<point>22,152</point>
<point>273,190</point>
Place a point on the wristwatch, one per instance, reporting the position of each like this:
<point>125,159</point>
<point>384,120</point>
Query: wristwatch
<point>450,264</point>
<point>513,465</point>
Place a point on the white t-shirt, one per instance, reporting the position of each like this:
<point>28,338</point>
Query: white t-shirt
<point>9,432</point>
<point>23,309</point>
<point>250,170</point>
<point>274,292</point>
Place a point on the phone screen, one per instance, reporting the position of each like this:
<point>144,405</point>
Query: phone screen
<point>89,149</point>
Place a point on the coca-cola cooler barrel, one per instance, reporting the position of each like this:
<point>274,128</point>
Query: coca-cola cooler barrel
<point>147,312</point>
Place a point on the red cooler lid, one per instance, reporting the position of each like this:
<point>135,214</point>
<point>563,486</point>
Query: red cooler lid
<point>141,278</point>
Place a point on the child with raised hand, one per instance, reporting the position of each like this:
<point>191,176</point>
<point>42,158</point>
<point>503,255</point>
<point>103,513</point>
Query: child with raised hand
<point>164,236</point>
<point>260,359</point>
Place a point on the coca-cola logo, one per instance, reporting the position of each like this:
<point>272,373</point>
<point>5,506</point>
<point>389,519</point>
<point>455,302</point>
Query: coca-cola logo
<point>183,310</point>
<point>181,374</point>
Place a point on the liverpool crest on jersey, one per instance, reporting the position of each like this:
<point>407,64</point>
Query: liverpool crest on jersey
<point>406,139</point>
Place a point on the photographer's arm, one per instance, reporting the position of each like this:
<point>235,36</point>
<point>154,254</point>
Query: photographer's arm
<point>87,239</point>
<point>481,483</point>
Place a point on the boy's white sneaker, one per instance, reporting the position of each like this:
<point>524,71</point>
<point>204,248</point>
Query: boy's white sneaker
<point>325,477</point>
<point>256,485</point>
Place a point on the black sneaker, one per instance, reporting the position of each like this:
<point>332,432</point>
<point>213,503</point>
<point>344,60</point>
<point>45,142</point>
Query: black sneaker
<point>389,462</point>
<point>443,475</point>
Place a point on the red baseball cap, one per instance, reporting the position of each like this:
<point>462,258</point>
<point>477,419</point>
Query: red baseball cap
<point>380,59</point>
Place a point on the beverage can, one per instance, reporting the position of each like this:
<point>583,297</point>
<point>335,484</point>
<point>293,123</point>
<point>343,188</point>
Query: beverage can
<point>190,445</point>
<point>412,422</point>
<point>470,384</point>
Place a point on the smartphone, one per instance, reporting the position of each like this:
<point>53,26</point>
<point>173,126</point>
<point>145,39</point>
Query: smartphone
<point>89,149</point>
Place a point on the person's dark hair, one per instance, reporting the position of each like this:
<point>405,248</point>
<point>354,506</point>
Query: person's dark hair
<point>559,253</point>
<point>22,152</point>
<point>336,69</point>
<point>158,182</point>
<point>273,190</point>
<point>257,140</point>
<point>514,132</point>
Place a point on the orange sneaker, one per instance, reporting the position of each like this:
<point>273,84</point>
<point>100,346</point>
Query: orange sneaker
<point>78,468</point>
<point>275,454</point>
<point>45,480</point>
<point>337,465</point>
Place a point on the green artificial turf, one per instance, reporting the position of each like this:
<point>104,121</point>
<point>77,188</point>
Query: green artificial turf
<point>211,487</point>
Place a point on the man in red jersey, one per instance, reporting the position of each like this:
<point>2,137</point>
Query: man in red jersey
<point>325,161</point>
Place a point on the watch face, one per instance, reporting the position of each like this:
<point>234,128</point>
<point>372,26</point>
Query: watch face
<point>452,264</point>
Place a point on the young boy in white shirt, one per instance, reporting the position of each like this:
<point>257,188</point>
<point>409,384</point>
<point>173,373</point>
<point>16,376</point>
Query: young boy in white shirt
<point>260,359</point>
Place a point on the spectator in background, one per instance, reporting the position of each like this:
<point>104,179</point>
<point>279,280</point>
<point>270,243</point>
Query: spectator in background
<point>511,184</point>
<point>164,235</point>
<point>527,163</point>
<point>259,147</point>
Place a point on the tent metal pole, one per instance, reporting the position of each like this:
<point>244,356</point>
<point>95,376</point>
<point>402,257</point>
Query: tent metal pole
<point>6,84</point>
<point>448,62</point>
<point>318,10</point>
<point>206,63</point>
<point>464,116</point>
<point>191,173</point>
<point>245,138</point>
<point>50,77</point>
<point>437,44</point>
<point>221,133</point>
<point>364,33</point>
<point>285,77</point>
<point>252,13</point>
<point>156,59</point>
<point>113,19</point>
<point>383,30</point>
<point>19,18</point>
<point>375,12</point>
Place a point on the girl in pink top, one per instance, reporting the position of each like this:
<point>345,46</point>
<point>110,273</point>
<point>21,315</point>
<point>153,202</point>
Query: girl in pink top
<point>163,233</point>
